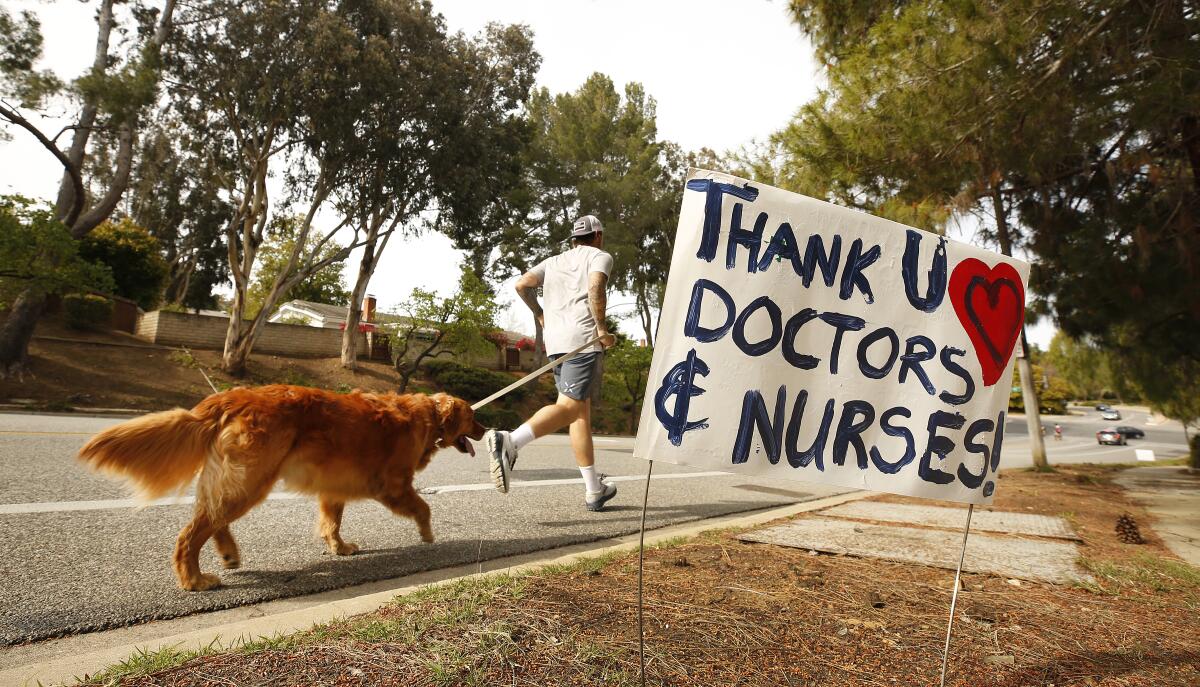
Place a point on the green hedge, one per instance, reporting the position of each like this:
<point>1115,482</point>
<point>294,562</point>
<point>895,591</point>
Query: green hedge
<point>498,416</point>
<point>470,383</point>
<point>85,311</point>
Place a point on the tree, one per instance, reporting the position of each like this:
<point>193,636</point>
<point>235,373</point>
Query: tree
<point>133,256</point>
<point>1084,365</point>
<point>270,85</point>
<point>111,97</point>
<point>626,366</point>
<point>174,193</point>
<point>326,285</point>
<point>945,105</point>
<point>38,253</point>
<point>595,151</point>
<point>431,325</point>
<point>439,118</point>
<point>1053,393</point>
<point>1171,387</point>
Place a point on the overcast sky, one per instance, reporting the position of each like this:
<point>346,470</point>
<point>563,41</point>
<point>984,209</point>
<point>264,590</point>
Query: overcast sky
<point>722,77</point>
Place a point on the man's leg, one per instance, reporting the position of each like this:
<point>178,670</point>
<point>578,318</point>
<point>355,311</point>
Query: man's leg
<point>564,411</point>
<point>581,437</point>
<point>503,447</point>
<point>596,492</point>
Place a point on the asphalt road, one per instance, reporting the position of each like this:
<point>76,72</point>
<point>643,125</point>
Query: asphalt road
<point>77,557</point>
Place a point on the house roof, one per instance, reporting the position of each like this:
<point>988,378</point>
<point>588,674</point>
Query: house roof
<point>335,313</point>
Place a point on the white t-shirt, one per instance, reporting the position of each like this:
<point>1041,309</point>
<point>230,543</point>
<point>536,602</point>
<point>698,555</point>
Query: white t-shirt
<point>564,280</point>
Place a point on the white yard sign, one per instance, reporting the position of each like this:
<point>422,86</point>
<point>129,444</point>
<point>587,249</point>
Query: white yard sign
<point>805,341</point>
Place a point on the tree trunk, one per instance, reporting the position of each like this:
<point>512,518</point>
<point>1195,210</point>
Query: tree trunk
<point>237,343</point>
<point>17,331</point>
<point>411,369</point>
<point>646,317</point>
<point>87,116</point>
<point>1033,415</point>
<point>366,267</point>
<point>1193,447</point>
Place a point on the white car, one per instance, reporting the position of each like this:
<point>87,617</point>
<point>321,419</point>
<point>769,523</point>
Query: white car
<point>1111,415</point>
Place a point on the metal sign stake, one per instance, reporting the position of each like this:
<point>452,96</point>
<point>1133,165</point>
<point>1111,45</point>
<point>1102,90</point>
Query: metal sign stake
<point>954,595</point>
<point>641,560</point>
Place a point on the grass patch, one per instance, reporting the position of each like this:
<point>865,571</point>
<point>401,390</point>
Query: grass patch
<point>54,406</point>
<point>1146,571</point>
<point>143,663</point>
<point>296,378</point>
<point>184,358</point>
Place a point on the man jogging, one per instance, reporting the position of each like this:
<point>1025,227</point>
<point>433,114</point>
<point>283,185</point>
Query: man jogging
<point>574,284</point>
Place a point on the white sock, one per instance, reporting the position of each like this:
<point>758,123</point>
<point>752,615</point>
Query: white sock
<point>591,480</point>
<point>521,436</point>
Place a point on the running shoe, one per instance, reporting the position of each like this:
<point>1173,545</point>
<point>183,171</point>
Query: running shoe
<point>595,500</point>
<point>503,457</point>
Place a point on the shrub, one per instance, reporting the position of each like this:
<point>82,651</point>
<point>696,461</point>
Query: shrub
<point>133,255</point>
<point>86,311</point>
<point>472,383</point>
<point>498,416</point>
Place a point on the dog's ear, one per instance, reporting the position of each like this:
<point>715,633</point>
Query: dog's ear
<point>443,407</point>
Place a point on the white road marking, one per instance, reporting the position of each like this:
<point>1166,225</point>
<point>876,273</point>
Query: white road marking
<point>109,504</point>
<point>561,482</point>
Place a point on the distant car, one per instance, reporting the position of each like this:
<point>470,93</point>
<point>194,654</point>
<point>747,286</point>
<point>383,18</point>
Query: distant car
<point>1103,406</point>
<point>1131,432</point>
<point>1110,436</point>
<point>1111,415</point>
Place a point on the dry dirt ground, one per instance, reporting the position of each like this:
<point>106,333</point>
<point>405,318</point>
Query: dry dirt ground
<point>722,612</point>
<point>117,370</point>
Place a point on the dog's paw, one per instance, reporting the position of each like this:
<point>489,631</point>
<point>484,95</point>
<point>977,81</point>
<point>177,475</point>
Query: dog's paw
<point>202,583</point>
<point>427,537</point>
<point>231,562</point>
<point>346,549</point>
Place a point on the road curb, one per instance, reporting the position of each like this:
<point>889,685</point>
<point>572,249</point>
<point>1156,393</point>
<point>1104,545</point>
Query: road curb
<point>17,409</point>
<point>65,670</point>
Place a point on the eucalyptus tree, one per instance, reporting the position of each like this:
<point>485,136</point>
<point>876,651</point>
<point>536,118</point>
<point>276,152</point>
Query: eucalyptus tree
<point>110,99</point>
<point>441,125</point>
<point>266,84</point>
<point>175,194</point>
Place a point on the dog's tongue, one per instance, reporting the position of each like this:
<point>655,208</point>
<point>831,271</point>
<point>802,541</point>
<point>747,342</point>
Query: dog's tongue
<point>467,445</point>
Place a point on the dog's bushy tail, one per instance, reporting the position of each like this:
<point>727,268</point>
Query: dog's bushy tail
<point>158,453</point>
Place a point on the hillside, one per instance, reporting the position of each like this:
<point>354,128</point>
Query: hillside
<point>88,370</point>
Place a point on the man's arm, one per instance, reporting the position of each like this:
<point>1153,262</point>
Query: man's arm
<point>526,287</point>
<point>598,302</point>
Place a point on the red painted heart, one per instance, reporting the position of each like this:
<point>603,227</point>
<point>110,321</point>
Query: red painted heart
<point>990,304</point>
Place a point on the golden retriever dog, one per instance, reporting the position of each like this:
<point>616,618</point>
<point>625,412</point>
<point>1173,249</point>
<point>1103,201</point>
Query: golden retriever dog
<point>338,447</point>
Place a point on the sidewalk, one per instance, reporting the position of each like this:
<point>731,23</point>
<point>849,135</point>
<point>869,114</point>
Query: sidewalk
<point>1172,495</point>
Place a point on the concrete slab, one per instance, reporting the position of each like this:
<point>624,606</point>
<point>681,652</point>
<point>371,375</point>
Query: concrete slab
<point>955,518</point>
<point>1028,559</point>
<point>1172,495</point>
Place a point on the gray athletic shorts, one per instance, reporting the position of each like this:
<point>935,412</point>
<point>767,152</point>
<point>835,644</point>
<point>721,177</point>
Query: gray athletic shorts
<point>579,377</point>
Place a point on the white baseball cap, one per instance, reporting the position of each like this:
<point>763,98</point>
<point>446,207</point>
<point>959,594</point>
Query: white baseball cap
<point>585,226</point>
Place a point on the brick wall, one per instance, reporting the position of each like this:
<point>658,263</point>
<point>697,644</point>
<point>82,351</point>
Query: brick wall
<point>205,331</point>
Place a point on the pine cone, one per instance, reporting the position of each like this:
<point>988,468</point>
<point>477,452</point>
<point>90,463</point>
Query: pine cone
<point>1127,530</point>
